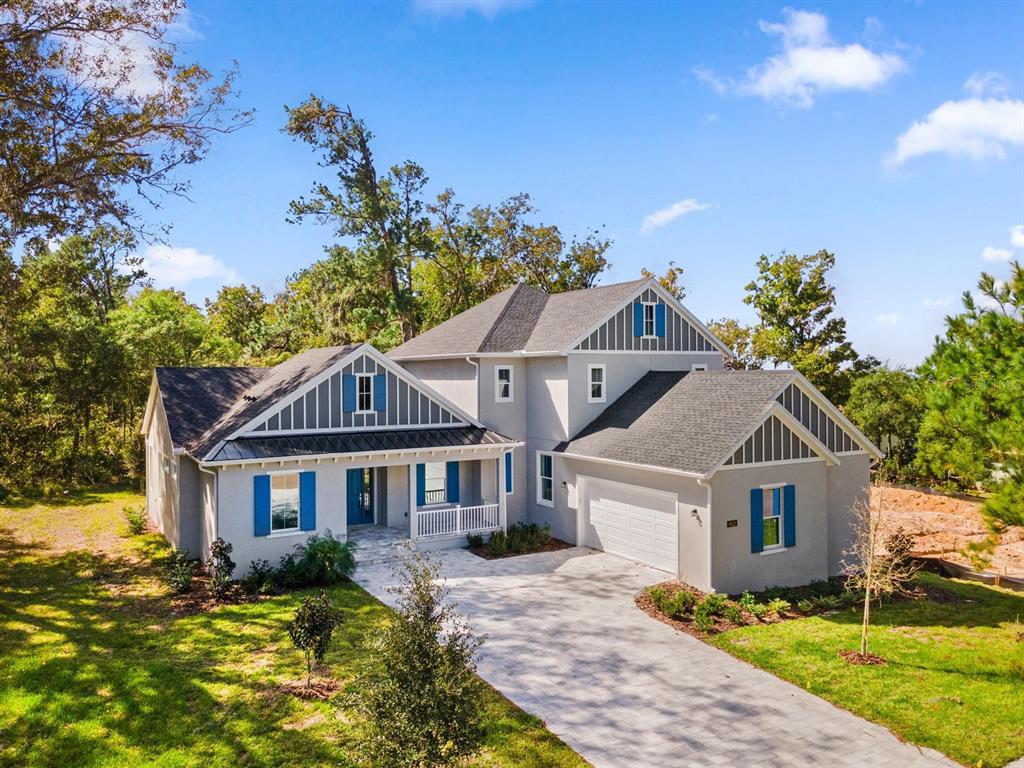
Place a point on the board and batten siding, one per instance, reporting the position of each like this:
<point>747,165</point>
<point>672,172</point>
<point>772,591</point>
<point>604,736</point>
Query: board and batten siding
<point>617,333</point>
<point>320,407</point>
<point>817,421</point>
<point>772,441</point>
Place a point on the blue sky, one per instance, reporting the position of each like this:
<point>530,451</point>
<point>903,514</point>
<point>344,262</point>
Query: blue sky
<point>890,134</point>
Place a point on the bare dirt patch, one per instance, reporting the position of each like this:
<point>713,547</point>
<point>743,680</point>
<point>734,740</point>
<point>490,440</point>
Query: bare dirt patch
<point>943,526</point>
<point>861,659</point>
<point>319,688</point>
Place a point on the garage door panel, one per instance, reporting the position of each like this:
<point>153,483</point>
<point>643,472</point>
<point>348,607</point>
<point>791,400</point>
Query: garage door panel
<point>631,521</point>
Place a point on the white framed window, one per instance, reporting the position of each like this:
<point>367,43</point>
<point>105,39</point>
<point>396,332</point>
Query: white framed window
<point>649,326</point>
<point>595,382</point>
<point>545,479</point>
<point>699,367</point>
<point>771,514</point>
<point>435,483</point>
<point>503,384</point>
<point>364,393</point>
<point>284,502</point>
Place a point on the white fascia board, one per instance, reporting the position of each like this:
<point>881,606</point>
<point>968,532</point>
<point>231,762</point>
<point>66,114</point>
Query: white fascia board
<point>630,464</point>
<point>353,458</point>
<point>825,404</point>
<point>154,395</point>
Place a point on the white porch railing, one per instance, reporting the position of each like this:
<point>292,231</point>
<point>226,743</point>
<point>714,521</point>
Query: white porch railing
<point>448,521</point>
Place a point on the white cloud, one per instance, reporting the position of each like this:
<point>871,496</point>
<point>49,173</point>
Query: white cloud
<point>1017,236</point>
<point>888,318</point>
<point>663,216</point>
<point>987,84</point>
<point>811,63</point>
<point>996,254</point>
<point>973,128</point>
<point>171,266</point>
<point>942,302</point>
<point>486,8</point>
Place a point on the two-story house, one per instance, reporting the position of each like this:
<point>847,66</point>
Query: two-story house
<point>604,412</point>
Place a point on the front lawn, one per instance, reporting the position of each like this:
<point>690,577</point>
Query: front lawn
<point>96,669</point>
<point>954,677</point>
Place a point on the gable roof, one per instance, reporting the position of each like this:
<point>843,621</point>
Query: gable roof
<point>194,398</point>
<point>519,319</point>
<point>683,421</point>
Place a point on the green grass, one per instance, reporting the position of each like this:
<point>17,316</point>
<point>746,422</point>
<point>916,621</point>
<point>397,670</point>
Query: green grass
<point>954,677</point>
<point>96,668</point>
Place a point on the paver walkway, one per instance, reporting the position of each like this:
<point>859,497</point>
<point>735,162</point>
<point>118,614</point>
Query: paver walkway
<point>566,643</point>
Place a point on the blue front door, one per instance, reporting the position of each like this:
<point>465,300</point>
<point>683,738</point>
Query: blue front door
<point>359,496</point>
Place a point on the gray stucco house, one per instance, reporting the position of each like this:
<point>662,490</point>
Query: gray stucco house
<point>604,412</point>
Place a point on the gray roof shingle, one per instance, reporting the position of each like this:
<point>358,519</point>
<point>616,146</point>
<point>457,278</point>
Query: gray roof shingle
<point>194,398</point>
<point>679,420</point>
<point>520,319</point>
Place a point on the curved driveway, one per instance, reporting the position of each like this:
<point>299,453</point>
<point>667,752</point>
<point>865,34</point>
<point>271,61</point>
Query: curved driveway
<point>566,643</point>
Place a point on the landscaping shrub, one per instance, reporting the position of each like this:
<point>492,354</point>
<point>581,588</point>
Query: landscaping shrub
<point>808,605</point>
<point>419,697</point>
<point>262,579</point>
<point>135,517</point>
<point>180,571</point>
<point>674,605</point>
<point>524,538</point>
<point>777,606</point>
<point>498,543</point>
<point>220,566</point>
<point>313,627</point>
<point>324,560</point>
<point>705,611</point>
<point>474,541</point>
<point>734,614</point>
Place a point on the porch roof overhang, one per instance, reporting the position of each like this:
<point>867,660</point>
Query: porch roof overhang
<point>333,444</point>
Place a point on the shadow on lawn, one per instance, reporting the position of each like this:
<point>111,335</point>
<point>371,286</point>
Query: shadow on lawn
<point>79,496</point>
<point>975,606</point>
<point>92,668</point>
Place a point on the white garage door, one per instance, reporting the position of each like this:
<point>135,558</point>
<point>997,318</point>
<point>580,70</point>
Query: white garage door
<point>632,521</point>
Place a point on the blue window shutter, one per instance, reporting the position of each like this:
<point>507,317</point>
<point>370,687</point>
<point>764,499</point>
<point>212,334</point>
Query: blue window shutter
<point>452,482</point>
<point>756,520</point>
<point>307,501</point>
<point>508,472</point>
<point>638,319</point>
<point>659,320</point>
<point>348,393</point>
<point>421,484</point>
<point>380,392</point>
<point>789,515</point>
<point>261,505</point>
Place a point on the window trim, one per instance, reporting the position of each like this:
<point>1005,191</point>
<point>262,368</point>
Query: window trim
<point>654,319</point>
<point>590,382</point>
<point>298,508</point>
<point>781,546</point>
<point>540,478</point>
<point>359,378</point>
<point>498,382</point>
<point>444,487</point>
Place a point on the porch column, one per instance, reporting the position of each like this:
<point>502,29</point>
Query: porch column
<point>500,475</point>
<point>414,531</point>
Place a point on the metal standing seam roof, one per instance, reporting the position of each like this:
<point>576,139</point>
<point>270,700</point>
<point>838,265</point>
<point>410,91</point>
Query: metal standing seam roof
<point>678,420</point>
<point>520,319</point>
<point>292,446</point>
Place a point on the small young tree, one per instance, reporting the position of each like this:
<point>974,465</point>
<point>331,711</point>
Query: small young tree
<point>875,564</point>
<point>313,627</point>
<point>220,566</point>
<point>420,697</point>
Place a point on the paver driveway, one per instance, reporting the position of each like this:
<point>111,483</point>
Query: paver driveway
<point>566,643</point>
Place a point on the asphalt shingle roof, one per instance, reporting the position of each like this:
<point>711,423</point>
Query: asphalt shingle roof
<point>520,319</point>
<point>679,420</point>
<point>194,398</point>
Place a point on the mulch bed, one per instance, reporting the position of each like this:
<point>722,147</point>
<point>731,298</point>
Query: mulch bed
<point>861,659</point>
<point>319,688</point>
<point>644,603</point>
<point>551,545</point>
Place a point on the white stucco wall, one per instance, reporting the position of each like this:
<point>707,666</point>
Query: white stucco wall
<point>455,379</point>
<point>847,486</point>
